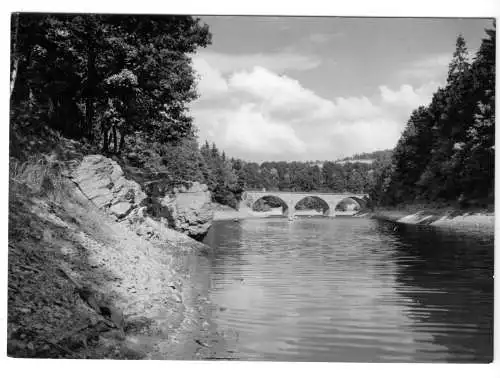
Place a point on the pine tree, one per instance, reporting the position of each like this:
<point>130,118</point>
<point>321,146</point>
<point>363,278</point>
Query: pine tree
<point>446,152</point>
<point>460,62</point>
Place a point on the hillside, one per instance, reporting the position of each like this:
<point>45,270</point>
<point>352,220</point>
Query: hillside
<point>82,285</point>
<point>353,161</point>
<point>381,154</point>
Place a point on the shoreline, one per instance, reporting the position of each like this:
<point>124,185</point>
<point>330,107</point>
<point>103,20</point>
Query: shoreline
<point>463,221</point>
<point>458,220</point>
<point>146,283</point>
<point>232,214</point>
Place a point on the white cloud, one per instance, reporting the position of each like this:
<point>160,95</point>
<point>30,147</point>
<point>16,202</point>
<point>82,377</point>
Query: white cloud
<point>407,96</point>
<point>248,130</point>
<point>353,108</point>
<point>211,81</point>
<point>257,132</point>
<point>257,114</point>
<point>280,94</point>
<point>285,96</point>
<point>366,135</point>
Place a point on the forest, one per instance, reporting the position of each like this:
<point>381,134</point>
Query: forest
<point>446,153</point>
<point>122,85</point>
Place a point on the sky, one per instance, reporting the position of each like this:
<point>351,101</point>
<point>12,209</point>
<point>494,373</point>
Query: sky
<point>319,88</point>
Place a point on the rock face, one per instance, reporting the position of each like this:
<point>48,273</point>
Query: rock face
<point>103,182</point>
<point>191,209</point>
<point>188,210</point>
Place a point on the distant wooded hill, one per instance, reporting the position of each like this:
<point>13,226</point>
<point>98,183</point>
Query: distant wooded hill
<point>367,157</point>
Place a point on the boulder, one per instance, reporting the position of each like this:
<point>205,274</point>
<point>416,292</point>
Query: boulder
<point>187,209</point>
<point>191,209</point>
<point>102,180</point>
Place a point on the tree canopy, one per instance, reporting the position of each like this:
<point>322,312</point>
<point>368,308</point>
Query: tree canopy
<point>446,153</point>
<point>104,77</point>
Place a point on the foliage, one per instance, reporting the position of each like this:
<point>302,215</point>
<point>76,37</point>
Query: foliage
<point>105,77</point>
<point>446,153</point>
<point>221,176</point>
<point>368,155</point>
<point>304,176</point>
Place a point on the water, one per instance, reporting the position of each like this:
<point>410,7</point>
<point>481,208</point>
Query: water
<point>347,290</point>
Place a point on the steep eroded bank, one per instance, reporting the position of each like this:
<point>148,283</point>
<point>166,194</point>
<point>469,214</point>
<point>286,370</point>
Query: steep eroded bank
<point>82,285</point>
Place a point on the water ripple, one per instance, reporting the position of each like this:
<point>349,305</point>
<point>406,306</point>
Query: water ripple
<point>351,290</point>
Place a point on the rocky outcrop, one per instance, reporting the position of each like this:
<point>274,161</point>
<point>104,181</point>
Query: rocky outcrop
<point>459,221</point>
<point>156,229</point>
<point>187,209</point>
<point>191,209</point>
<point>103,182</point>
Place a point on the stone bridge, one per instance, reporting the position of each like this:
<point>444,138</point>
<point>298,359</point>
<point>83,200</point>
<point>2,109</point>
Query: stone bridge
<point>291,199</point>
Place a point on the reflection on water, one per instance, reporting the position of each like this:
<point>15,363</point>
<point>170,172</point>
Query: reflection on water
<point>349,289</point>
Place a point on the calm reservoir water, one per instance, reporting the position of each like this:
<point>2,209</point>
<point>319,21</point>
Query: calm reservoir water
<point>347,289</point>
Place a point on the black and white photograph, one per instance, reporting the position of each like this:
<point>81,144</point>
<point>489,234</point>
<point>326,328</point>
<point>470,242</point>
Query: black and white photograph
<point>251,188</point>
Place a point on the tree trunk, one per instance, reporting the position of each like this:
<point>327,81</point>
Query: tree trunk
<point>89,116</point>
<point>115,140</point>
<point>105,144</point>
<point>122,141</point>
<point>14,53</point>
<point>31,99</point>
<point>89,101</point>
<point>15,65</point>
<point>91,81</point>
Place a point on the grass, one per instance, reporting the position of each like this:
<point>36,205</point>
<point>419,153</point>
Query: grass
<point>38,176</point>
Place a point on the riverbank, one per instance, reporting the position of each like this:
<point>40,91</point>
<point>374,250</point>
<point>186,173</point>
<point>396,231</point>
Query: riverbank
<point>83,285</point>
<point>458,220</point>
<point>466,221</point>
<point>139,302</point>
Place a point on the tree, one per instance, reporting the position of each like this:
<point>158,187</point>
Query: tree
<point>459,64</point>
<point>251,176</point>
<point>446,152</point>
<point>334,176</point>
<point>479,149</point>
<point>115,73</point>
<point>411,156</point>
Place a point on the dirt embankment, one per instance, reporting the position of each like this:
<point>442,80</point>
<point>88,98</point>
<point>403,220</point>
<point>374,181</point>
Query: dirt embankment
<point>82,285</point>
<point>458,220</point>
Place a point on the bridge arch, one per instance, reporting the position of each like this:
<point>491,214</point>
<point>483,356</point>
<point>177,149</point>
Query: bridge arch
<point>271,201</point>
<point>313,202</point>
<point>360,202</point>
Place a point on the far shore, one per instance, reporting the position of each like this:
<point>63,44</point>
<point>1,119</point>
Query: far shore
<point>466,221</point>
<point>228,213</point>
